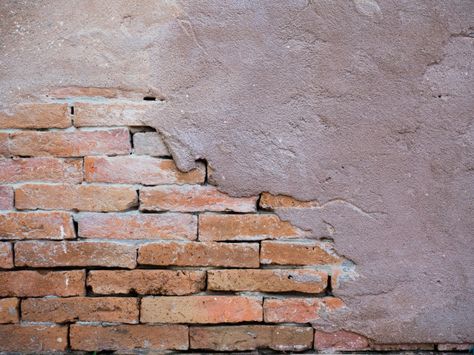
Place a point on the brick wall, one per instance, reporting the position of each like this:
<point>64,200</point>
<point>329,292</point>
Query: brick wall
<point>105,245</point>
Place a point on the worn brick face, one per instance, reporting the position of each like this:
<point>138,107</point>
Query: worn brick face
<point>35,115</point>
<point>6,255</point>
<point>149,143</point>
<point>146,282</point>
<point>297,253</point>
<point>269,201</point>
<point>86,309</point>
<point>9,310</point>
<point>33,338</point>
<point>6,197</point>
<point>135,169</point>
<point>75,253</point>
<point>339,340</point>
<point>115,114</point>
<point>75,197</point>
<point>201,309</point>
<point>5,144</point>
<point>199,254</point>
<point>270,280</point>
<point>192,199</point>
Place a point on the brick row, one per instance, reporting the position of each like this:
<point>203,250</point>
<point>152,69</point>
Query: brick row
<point>35,115</point>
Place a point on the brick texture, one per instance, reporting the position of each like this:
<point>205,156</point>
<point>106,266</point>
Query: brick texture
<point>9,310</point>
<point>297,253</point>
<point>116,114</point>
<point>339,340</point>
<point>6,198</point>
<point>35,115</point>
<point>33,338</point>
<point>149,143</point>
<point>6,255</point>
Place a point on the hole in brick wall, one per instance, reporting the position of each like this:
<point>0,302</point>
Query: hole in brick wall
<point>71,110</point>
<point>149,98</point>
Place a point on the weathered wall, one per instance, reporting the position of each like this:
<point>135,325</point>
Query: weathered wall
<point>364,106</point>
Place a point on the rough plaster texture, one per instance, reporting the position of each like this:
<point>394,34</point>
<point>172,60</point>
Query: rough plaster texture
<point>366,106</point>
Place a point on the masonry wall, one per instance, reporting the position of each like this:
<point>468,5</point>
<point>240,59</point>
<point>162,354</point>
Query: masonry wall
<point>105,245</point>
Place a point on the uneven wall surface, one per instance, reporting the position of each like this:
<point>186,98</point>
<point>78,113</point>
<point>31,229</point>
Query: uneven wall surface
<point>325,148</point>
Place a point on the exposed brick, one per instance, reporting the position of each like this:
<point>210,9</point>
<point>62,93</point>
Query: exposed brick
<point>245,227</point>
<point>199,254</point>
<point>136,169</point>
<point>68,92</point>
<point>6,256</point>
<point>270,280</point>
<point>35,115</point>
<point>33,338</point>
<point>45,169</point>
<point>403,347</point>
<point>455,347</point>
<point>149,143</point>
<point>339,340</point>
<point>75,253</point>
<point>137,226</point>
<point>5,144</point>
<point>299,310</point>
<point>251,337</point>
<point>86,309</point>
<point>27,283</point>
<point>269,201</point>
<point>70,144</point>
<point>75,197</point>
<point>201,309</point>
<point>112,114</point>
<point>129,337</point>
<point>192,198</point>
<point>146,282</point>
<point>36,225</point>
<point>6,198</point>
<point>9,310</point>
<point>297,253</point>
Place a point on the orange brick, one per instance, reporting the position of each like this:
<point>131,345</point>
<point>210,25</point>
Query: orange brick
<point>36,225</point>
<point>35,115</point>
<point>251,337</point>
<point>5,144</point>
<point>85,309</point>
<point>149,143</point>
<point>192,198</point>
<point>201,309</point>
<point>298,310</point>
<point>137,226</point>
<point>129,337</point>
<point>6,198</point>
<point>199,254</point>
<point>339,340</point>
<point>112,114</point>
<point>9,310</point>
<point>70,144</point>
<point>75,253</point>
<point>217,227</point>
<point>270,280</point>
<point>44,169</point>
<point>297,253</point>
<point>146,282</point>
<point>75,197</point>
<point>27,283</point>
<point>6,256</point>
<point>269,201</point>
<point>33,338</point>
<point>135,169</point>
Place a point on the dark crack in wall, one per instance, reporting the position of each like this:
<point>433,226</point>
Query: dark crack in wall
<point>365,106</point>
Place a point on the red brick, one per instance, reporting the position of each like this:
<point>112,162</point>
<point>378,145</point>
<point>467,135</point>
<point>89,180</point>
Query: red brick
<point>70,144</point>
<point>111,114</point>
<point>129,337</point>
<point>75,197</point>
<point>297,253</point>
<point>135,169</point>
<point>219,227</point>
<point>36,225</point>
<point>36,115</point>
<point>6,198</point>
<point>33,338</point>
<point>149,143</point>
<point>75,253</point>
<point>85,309</point>
<point>44,169</point>
<point>5,144</point>
<point>270,280</point>
<point>201,309</point>
<point>146,282</point>
<point>192,198</point>
<point>299,310</point>
<point>339,340</point>
<point>251,337</point>
<point>137,226</point>
<point>27,283</point>
<point>6,256</point>
<point>9,310</point>
<point>271,202</point>
<point>199,254</point>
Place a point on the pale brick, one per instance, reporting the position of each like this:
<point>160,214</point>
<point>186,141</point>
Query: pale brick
<point>297,253</point>
<point>35,115</point>
<point>6,198</point>
<point>340,340</point>
<point>5,144</point>
<point>110,114</point>
<point>269,201</point>
<point>68,92</point>
<point>201,309</point>
<point>9,310</point>
<point>149,143</point>
<point>136,169</point>
<point>6,256</point>
<point>37,339</point>
<point>75,197</point>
